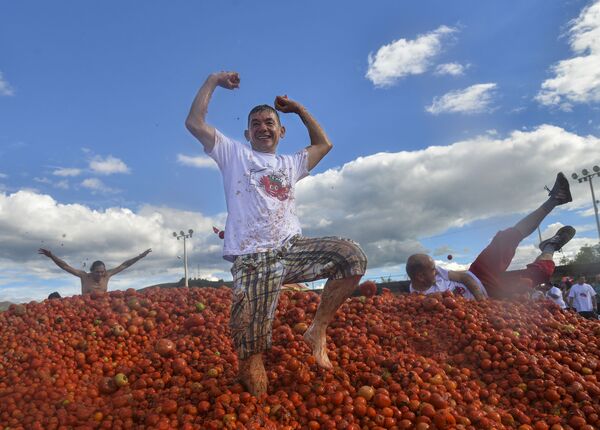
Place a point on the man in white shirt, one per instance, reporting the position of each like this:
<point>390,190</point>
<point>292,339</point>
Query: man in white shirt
<point>439,280</point>
<point>486,275</point>
<point>263,235</point>
<point>582,297</point>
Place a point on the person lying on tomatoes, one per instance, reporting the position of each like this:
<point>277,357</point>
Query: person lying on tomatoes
<point>97,279</point>
<point>263,237</point>
<point>487,274</point>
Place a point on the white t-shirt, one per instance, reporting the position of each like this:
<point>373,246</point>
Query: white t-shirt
<point>559,299</point>
<point>582,297</point>
<point>443,283</point>
<point>259,192</point>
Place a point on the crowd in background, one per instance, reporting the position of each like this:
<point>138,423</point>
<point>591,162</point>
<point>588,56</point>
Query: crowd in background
<point>580,294</point>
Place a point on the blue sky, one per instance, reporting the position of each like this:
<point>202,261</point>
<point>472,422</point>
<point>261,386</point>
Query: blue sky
<point>447,120</point>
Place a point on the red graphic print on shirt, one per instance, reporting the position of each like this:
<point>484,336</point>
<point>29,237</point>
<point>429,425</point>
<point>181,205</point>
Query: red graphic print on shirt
<point>275,187</point>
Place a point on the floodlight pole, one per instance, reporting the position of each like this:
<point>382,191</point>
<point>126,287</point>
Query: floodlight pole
<point>184,236</point>
<point>595,207</point>
<point>587,177</point>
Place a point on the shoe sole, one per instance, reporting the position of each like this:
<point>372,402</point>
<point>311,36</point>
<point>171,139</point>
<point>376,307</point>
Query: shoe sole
<point>567,230</point>
<point>562,178</point>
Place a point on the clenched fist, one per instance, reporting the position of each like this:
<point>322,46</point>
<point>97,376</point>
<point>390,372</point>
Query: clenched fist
<point>285,105</point>
<point>228,80</point>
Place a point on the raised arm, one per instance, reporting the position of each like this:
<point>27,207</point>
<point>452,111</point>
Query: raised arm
<point>319,142</point>
<point>196,119</point>
<point>60,263</point>
<point>464,278</point>
<point>127,263</point>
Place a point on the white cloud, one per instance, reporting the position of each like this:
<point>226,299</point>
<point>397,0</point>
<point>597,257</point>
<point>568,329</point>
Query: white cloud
<point>387,201</point>
<point>199,161</point>
<point>406,57</point>
<point>451,265</point>
<point>96,185</point>
<point>3,175</point>
<point>5,88</point>
<point>79,234</point>
<point>590,211</point>
<point>108,165</point>
<point>587,227</point>
<point>577,79</point>
<point>453,69</point>
<point>442,250</point>
<point>474,99</point>
<point>64,184</point>
<point>67,171</point>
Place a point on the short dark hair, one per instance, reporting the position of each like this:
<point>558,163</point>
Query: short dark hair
<point>96,264</point>
<point>261,108</point>
<point>415,264</point>
<point>54,295</point>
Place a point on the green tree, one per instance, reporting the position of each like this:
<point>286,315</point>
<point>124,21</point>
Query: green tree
<point>587,254</point>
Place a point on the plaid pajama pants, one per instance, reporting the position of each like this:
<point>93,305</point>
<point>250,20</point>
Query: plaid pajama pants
<point>257,281</point>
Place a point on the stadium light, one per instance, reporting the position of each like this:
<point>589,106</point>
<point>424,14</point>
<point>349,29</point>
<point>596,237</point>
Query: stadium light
<point>184,236</point>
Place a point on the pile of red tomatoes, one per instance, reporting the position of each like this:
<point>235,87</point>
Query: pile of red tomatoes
<point>163,359</point>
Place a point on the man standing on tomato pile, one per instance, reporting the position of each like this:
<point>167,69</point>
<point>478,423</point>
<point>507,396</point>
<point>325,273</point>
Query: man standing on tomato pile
<point>487,274</point>
<point>263,235</point>
<point>97,279</point>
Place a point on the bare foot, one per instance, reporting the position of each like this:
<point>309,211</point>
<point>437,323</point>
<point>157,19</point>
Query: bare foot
<point>252,375</point>
<point>318,344</point>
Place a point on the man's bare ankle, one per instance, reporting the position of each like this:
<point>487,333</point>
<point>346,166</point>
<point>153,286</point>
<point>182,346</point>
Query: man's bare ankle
<point>252,375</point>
<point>317,328</point>
<point>256,387</point>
